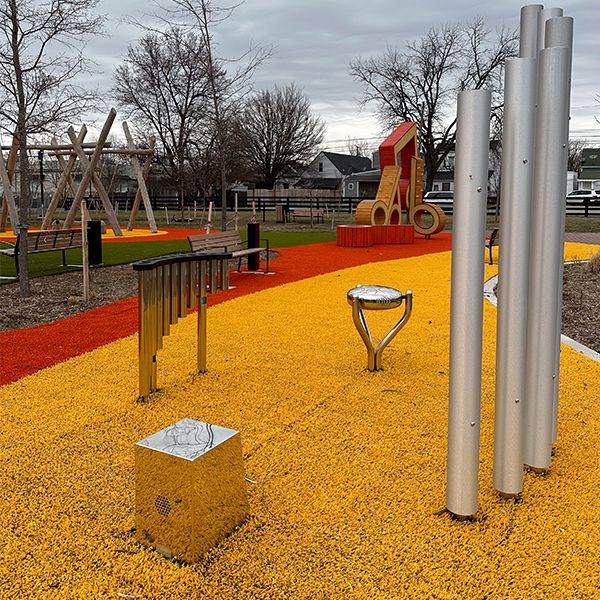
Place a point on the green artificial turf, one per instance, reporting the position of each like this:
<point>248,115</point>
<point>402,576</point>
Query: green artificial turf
<point>116,253</point>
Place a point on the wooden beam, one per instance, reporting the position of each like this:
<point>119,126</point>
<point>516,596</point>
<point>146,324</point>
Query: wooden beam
<point>52,147</point>
<point>10,169</point>
<point>138,195</point>
<point>139,173</point>
<point>65,179</point>
<point>139,152</point>
<point>89,174</point>
<point>9,198</point>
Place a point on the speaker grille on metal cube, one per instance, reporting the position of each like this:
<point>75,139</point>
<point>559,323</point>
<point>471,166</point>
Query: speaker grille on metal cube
<point>163,506</point>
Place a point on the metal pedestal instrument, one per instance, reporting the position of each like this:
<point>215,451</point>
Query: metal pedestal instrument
<point>377,297</point>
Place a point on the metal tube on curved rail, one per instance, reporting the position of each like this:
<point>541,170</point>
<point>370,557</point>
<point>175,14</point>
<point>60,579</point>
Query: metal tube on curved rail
<point>167,287</point>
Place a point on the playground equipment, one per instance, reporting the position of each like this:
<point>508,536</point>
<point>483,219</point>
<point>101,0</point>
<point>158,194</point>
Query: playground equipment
<point>534,175</point>
<point>169,286</point>
<point>189,488</point>
<point>400,189</point>
<point>76,153</point>
<point>377,297</point>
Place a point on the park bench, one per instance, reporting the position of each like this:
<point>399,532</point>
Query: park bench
<point>310,213</point>
<point>45,241</point>
<point>226,241</point>
<point>493,240</point>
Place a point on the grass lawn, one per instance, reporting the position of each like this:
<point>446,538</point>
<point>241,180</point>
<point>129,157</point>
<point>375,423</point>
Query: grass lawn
<point>49,263</point>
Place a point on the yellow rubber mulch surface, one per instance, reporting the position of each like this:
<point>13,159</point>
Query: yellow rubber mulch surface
<point>347,466</point>
<point>109,235</point>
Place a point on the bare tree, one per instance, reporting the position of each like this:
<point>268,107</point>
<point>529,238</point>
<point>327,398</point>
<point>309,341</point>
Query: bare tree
<point>40,57</point>
<point>164,81</point>
<point>357,147</point>
<point>575,155</point>
<point>226,92</point>
<point>421,83</point>
<point>277,131</point>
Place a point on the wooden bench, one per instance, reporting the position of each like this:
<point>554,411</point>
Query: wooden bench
<point>228,241</point>
<point>309,213</point>
<point>45,241</point>
<point>493,240</point>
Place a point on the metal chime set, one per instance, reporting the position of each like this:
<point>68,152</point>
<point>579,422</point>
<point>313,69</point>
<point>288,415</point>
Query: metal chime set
<point>534,172</point>
<point>168,287</point>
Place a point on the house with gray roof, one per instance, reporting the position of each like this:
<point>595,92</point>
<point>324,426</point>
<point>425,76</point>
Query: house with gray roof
<point>329,169</point>
<point>589,175</point>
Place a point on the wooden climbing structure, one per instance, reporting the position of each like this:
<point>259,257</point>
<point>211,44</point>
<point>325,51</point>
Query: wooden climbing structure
<point>87,156</point>
<point>401,187</point>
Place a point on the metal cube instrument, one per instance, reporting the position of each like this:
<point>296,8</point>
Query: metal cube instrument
<point>190,489</point>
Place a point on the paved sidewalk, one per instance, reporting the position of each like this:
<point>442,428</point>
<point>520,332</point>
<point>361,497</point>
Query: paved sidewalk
<point>583,238</point>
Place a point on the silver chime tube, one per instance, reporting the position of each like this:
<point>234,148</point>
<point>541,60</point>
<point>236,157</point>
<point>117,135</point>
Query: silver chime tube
<point>143,341</point>
<point>153,334</point>
<point>543,16</point>
<point>528,30</point>
<point>175,286</point>
<point>546,252</point>
<point>202,317</point>
<point>513,273</point>
<point>559,33</point>
<point>466,307</point>
<point>166,299</point>
<point>184,281</point>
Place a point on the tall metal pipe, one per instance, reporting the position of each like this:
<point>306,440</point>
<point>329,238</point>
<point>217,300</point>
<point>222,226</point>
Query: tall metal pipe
<point>543,16</point>
<point>546,252</point>
<point>528,30</point>
<point>466,307</point>
<point>559,33</point>
<point>513,273</point>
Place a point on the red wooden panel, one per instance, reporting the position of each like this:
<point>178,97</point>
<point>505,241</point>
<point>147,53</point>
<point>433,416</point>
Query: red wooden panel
<point>354,236</point>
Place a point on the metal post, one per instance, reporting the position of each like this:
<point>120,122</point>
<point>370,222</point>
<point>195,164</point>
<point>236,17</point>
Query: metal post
<point>543,16</point>
<point>546,252</point>
<point>466,308</point>
<point>154,336</point>
<point>559,33</point>
<point>513,271</point>
<point>143,346</point>
<point>528,30</point>
<point>202,318</point>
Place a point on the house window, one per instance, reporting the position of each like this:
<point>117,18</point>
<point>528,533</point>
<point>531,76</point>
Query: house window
<point>350,186</point>
<point>320,167</point>
<point>446,186</point>
<point>436,187</point>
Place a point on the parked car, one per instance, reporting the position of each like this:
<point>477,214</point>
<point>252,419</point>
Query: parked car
<point>439,196</point>
<point>580,196</point>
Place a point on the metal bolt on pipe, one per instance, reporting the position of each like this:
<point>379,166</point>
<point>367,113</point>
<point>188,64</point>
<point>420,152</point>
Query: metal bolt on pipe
<point>466,307</point>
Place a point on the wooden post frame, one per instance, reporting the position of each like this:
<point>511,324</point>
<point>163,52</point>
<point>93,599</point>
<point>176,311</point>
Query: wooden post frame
<point>141,175</point>
<point>89,174</point>
<point>65,179</point>
<point>6,204</point>
<point>9,199</point>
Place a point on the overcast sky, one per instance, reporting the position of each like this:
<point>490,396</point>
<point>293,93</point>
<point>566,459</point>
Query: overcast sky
<point>314,41</point>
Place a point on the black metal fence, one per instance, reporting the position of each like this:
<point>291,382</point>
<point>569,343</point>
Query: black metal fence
<point>195,206</point>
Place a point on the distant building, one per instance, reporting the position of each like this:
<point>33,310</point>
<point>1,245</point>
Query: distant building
<point>328,170</point>
<point>589,175</point>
